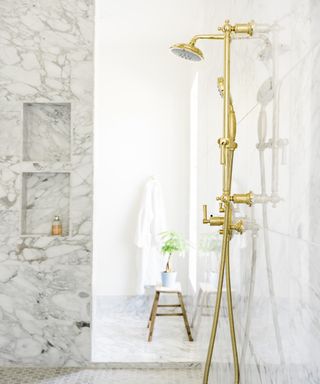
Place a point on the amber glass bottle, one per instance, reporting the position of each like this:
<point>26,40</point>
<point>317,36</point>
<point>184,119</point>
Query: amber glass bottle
<point>56,229</point>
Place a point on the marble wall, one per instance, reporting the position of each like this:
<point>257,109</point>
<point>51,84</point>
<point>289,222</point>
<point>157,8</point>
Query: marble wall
<point>274,270</point>
<point>46,95</point>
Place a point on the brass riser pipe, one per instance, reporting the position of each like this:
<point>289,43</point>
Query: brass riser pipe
<point>227,147</point>
<point>229,136</point>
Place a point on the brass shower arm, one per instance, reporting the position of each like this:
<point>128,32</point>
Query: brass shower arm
<point>206,37</point>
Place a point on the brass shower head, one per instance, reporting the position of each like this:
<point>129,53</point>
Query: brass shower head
<point>187,51</point>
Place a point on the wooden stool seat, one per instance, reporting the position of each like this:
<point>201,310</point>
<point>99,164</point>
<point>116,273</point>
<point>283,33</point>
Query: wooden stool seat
<point>156,305</point>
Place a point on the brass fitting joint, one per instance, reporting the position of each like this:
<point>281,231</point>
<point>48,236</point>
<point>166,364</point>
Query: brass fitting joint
<point>224,198</point>
<point>242,198</point>
<point>238,226</point>
<point>232,146</point>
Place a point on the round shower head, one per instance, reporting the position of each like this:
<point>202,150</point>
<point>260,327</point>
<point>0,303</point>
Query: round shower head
<point>187,51</point>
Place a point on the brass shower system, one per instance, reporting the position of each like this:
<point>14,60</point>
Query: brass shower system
<point>227,146</point>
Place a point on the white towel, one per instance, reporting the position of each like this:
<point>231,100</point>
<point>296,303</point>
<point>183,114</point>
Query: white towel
<point>151,222</point>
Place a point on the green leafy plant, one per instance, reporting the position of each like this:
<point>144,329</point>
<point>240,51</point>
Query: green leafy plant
<point>172,242</point>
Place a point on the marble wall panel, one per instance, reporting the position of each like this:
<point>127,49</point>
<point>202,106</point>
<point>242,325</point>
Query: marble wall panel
<point>46,56</point>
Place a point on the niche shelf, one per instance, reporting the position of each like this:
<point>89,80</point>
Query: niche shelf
<point>44,195</point>
<point>46,132</point>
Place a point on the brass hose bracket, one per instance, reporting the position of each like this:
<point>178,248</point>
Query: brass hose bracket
<point>243,198</point>
<point>223,143</point>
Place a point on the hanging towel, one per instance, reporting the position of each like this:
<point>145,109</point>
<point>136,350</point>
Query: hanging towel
<point>151,222</point>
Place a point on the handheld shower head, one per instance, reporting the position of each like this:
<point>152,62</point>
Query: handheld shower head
<point>187,51</point>
<point>265,92</point>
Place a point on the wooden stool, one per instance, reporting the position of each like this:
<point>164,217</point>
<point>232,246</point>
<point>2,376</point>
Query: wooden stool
<point>155,305</point>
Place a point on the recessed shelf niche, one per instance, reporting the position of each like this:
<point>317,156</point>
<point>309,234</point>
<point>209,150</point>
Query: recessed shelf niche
<point>44,195</point>
<point>46,132</point>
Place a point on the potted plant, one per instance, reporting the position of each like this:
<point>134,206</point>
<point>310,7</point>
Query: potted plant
<point>172,242</point>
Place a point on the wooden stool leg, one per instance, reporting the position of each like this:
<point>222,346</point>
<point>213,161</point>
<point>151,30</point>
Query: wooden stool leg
<point>151,312</point>
<point>196,307</point>
<point>186,323</point>
<point>153,315</point>
<point>197,327</point>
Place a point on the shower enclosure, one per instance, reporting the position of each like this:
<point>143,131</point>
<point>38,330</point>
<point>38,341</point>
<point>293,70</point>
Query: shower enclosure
<point>157,116</point>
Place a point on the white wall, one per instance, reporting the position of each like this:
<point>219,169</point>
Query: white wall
<point>141,129</point>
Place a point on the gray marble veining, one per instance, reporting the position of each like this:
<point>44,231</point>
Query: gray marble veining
<point>46,132</point>
<point>45,195</point>
<point>46,71</point>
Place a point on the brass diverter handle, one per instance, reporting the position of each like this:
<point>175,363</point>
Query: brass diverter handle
<point>212,220</point>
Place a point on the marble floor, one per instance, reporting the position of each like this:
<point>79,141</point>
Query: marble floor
<point>120,334</point>
<point>98,376</point>
<point>220,374</point>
